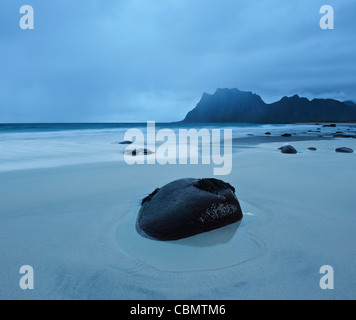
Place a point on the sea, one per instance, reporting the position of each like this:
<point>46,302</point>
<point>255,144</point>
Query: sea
<point>44,145</point>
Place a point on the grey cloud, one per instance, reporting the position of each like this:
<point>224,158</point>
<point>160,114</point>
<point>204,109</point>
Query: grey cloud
<point>152,59</point>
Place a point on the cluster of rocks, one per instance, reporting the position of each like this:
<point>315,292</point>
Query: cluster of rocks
<point>338,134</point>
<point>291,150</point>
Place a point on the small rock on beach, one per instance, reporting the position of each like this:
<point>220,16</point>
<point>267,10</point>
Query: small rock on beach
<point>139,152</point>
<point>344,150</point>
<point>288,150</point>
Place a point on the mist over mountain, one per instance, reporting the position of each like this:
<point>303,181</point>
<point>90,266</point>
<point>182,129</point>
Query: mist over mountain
<point>235,106</point>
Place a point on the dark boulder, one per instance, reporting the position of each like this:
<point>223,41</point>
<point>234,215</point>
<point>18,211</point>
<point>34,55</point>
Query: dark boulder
<point>288,150</point>
<point>188,207</point>
<point>344,150</point>
<point>329,125</point>
<point>268,133</point>
<point>286,135</point>
<point>312,149</point>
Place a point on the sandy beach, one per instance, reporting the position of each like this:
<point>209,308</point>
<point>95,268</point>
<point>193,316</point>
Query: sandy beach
<point>74,225</point>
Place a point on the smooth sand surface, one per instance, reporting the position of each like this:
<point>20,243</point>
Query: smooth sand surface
<point>75,226</point>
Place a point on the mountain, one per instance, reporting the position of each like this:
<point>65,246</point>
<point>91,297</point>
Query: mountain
<point>350,103</point>
<point>235,106</point>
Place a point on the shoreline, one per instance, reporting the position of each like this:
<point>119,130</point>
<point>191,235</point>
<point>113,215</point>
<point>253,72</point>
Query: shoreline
<point>114,152</point>
<point>239,145</point>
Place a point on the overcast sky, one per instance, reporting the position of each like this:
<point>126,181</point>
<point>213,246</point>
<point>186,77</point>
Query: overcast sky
<point>139,60</point>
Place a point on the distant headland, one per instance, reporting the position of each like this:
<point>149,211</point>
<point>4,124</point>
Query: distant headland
<point>235,106</point>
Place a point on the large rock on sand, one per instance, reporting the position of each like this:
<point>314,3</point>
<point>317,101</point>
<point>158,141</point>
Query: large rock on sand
<point>187,207</point>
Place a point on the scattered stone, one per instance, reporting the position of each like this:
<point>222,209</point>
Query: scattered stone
<point>288,150</point>
<point>286,135</point>
<point>344,150</point>
<point>139,152</point>
<point>268,133</point>
<point>312,149</point>
<point>329,125</point>
<point>343,135</point>
<point>126,142</point>
<point>188,207</point>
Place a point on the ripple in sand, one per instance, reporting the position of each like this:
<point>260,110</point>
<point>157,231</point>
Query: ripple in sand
<point>218,249</point>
